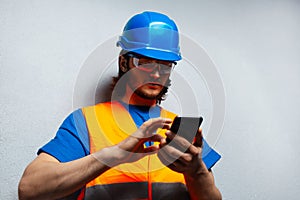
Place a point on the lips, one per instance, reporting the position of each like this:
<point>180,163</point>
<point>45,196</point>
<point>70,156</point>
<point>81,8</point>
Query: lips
<point>154,84</point>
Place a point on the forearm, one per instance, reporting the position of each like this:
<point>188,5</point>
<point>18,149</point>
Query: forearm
<point>201,185</point>
<point>47,178</point>
<point>44,179</point>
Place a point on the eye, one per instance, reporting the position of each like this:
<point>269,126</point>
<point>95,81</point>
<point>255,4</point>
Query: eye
<point>144,61</point>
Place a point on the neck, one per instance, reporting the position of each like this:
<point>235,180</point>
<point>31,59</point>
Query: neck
<point>131,98</point>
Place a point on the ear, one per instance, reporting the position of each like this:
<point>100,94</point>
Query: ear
<point>123,65</point>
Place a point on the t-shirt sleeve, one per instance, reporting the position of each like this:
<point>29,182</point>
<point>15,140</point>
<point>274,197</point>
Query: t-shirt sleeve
<point>209,156</point>
<point>71,141</point>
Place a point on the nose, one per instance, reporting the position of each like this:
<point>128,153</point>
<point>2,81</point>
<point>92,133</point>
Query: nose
<point>155,73</point>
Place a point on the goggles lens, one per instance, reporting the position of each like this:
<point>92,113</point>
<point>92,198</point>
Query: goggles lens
<point>149,65</point>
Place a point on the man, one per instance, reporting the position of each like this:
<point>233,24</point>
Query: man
<point>118,149</point>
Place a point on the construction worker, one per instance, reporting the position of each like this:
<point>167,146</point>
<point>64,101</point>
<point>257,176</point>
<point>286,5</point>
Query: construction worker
<point>119,149</point>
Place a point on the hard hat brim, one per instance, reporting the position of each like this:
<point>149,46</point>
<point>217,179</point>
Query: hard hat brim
<point>158,54</point>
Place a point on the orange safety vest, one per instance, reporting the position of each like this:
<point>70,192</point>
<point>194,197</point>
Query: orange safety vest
<point>110,123</point>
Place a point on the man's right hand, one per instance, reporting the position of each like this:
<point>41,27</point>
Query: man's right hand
<point>81,171</point>
<point>132,148</point>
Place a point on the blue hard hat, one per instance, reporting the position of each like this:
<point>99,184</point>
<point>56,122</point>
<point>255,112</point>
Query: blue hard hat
<point>153,35</point>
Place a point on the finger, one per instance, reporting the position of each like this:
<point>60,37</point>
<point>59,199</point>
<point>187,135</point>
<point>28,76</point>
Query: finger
<point>158,120</point>
<point>151,150</point>
<point>163,142</point>
<point>198,138</point>
<point>185,158</point>
<point>155,148</point>
<point>149,127</point>
<point>152,125</point>
<point>193,150</point>
<point>155,126</point>
<point>179,166</point>
<point>169,154</point>
<point>181,144</point>
<point>170,134</point>
<point>175,161</point>
<point>156,138</point>
<point>162,123</point>
<point>178,142</point>
<point>175,166</point>
<point>165,154</point>
<point>165,158</point>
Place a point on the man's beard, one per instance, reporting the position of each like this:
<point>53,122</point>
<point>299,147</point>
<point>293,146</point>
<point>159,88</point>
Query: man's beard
<point>139,91</point>
<point>144,95</point>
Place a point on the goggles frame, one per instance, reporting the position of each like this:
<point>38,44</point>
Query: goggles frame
<point>147,64</point>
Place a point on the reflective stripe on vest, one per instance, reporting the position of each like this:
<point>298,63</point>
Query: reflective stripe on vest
<point>138,190</point>
<point>109,124</point>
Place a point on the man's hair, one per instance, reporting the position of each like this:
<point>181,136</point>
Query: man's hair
<point>119,91</point>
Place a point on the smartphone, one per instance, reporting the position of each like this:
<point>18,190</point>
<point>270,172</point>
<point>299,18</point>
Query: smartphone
<point>186,127</point>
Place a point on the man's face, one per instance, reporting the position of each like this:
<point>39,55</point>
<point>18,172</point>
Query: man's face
<point>147,77</point>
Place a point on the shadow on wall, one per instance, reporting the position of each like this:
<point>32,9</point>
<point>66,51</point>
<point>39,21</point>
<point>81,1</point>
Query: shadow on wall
<point>104,91</point>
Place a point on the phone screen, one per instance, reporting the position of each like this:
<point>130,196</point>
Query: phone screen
<point>186,127</point>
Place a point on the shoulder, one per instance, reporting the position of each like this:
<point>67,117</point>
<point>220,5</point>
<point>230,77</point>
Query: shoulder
<point>107,104</point>
<point>73,119</point>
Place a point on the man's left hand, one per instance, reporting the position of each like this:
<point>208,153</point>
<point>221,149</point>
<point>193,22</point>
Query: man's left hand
<point>182,156</point>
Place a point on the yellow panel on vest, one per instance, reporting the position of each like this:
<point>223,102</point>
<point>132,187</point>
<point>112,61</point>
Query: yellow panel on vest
<point>110,123</point>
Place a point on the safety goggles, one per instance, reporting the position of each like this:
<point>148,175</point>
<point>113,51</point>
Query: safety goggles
<point>149,65</point>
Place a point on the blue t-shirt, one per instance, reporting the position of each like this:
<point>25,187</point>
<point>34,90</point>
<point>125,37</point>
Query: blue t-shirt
<point>72,139</point>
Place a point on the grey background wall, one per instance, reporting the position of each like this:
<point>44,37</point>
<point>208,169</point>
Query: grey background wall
<point>255,46</point>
